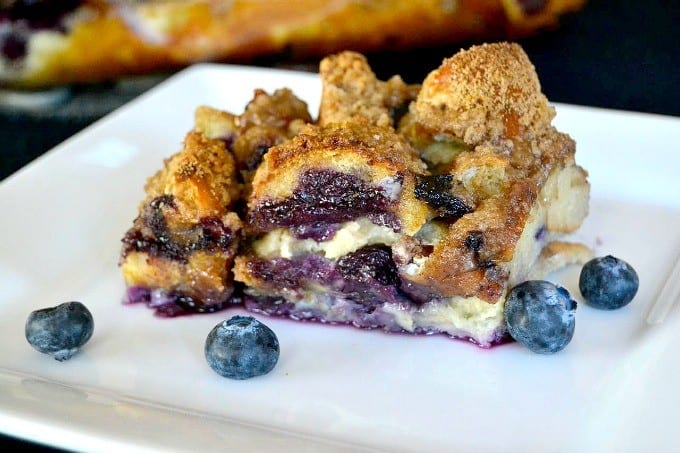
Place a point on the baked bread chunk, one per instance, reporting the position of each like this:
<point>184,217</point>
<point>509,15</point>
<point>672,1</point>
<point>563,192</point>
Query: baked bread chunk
<point>351,89</point>
<point>178,254</point>
<point>349,225</point>
<point>49,42</point>
<point>268,120</point>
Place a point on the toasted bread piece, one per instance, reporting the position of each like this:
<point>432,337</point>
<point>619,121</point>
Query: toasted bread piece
<point>179,251</point>
<point>267,121</point>
<point>351,89</point>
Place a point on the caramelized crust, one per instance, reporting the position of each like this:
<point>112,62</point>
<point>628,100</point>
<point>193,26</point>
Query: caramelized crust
<point>268,120</point>
<point>484,94</point>
<point>348,221</point>
<point>200,178</point>
<point>489,97</point>
<point>350,89</point>
<point>373,154</point>
<point>184,239</point>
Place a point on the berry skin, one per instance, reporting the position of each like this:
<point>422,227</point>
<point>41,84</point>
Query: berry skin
<point>60,331</point>
<point>608,283</point>
<point>241,348</point>
<point>540,315</point>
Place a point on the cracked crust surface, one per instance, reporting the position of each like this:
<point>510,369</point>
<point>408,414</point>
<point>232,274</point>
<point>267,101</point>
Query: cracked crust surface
<point>512,162</point>
<point>201,178</point>
<point>268,120</point>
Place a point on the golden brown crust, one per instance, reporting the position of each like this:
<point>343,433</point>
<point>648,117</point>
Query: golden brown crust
<point>513,172</point>
<point>483,94</point>
<point>454,268</point>
<point>370,152</point>
<point>108,39</point>
<point>489,97</point>
<point>185,237</point>
<point>267,121</point>
<point>350,89</point>
<point>201,178</point>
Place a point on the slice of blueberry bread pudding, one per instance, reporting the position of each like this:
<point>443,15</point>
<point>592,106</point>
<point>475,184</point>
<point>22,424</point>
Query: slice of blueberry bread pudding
<point>178,254</point>
<point>403,208</point>
<point>327,207</point>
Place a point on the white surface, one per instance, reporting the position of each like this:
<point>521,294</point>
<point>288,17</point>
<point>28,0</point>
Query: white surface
<point>142,382</point>
<point>667,297</point>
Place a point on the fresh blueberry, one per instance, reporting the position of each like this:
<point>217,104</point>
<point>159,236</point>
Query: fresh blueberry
<point>608,283</point>
<point>241,348</point>
<point>540,315</point>
<point>61,330</point>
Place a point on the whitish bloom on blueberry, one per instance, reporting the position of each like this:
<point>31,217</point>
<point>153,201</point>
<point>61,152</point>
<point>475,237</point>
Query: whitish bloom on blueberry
<point>540,316</point>
<point>60,331</point>
<point>608,283</point>
<point>242,348</point>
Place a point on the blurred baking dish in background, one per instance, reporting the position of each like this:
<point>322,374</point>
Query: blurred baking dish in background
<point>51,42</point>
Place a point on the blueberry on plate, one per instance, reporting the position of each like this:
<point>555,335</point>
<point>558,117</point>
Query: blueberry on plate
<point>608,283</point>
<point>540,315</point>
<point>60,331</point>
<point>241,348</point>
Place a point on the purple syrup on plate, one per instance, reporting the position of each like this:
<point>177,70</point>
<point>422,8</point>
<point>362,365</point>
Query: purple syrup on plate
<point>171,304</point>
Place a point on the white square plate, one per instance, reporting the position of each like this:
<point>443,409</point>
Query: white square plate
<point>143,383</point>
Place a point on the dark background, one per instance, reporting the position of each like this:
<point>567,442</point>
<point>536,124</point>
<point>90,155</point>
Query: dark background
<point>614,53</point>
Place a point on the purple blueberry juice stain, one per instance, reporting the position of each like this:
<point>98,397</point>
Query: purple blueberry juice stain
<point>320,232</point>
<point>353,317</point>
<point>325,197</point>
<point>362,289</point>
<point>171,304</point>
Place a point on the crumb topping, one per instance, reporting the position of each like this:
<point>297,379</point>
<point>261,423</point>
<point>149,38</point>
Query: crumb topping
<point>484,94</point>
<point>201,178</point>
<point>351,89</point>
